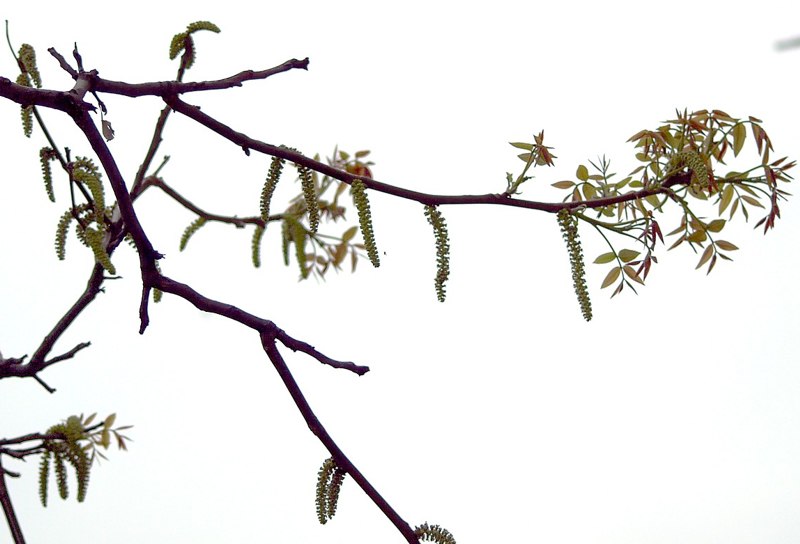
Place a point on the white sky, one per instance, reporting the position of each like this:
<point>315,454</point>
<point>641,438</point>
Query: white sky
<point>500,415</point>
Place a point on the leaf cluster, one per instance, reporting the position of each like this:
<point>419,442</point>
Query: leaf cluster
<point>681,163</point>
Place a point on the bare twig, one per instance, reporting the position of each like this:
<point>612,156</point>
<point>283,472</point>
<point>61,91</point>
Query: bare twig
<point>8,508</point>
<point>164,88</point>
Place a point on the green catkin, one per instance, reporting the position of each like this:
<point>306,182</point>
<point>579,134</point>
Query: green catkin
<point>85,171</point>
<point>436,220</point>
<point>44,474</point>
<point>27,57</point>
<point>285,241</point>
<point>310,196</point>
<point>63,228</point>
<point>275,169</point>
<point>61,234</point>
<point>434,533</point>
<point>697,165</point>
<point>298,233</point>
<point>94,238</point>
<point>193,227</point>
<point>692,160</point>
<point>361,201</point>
<point>323,481</point>
<point>27,120</point>
<point>333,490</point>
<point>329,483</point>
<point>26,112</point>
<point>184,40</point>
<point>569,229</point>
<point>61,475</point>
<point>45,156</point>
<point>258,234</point>
<point>76,455</point>
<point>176,45</point>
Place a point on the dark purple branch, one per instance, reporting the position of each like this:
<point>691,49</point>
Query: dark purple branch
<point>38,361</point>
<point>264,326</point>
<point>183,201</point>
<point>268,342</point>
<point>67,67</point>
<point>247,143</point>
<point>165,88</point>
<point>8,508</point>
<point>298,345</point>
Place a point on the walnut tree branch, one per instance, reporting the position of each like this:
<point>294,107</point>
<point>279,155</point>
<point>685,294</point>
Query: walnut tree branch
<point>8,508</point>
<point>247,143</point>
<point>268,342</point>
<point>164,88</point>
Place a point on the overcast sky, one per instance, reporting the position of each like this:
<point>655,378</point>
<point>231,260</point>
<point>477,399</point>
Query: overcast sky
<point>501,415</point>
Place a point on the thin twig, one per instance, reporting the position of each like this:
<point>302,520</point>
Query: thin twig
<point>268,342</point>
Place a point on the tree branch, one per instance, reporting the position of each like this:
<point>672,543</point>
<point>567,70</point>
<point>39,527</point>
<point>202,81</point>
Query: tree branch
<point>427,199</point>
<point>8,508</point>
<point>268,342</point>
<point>165,88</point>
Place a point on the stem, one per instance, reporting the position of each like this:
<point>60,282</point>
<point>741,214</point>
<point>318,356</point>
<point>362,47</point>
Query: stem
<point>8,508</point>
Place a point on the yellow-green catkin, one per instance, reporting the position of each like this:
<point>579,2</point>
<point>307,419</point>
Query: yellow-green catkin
<point>189,231</point>
<point>361,201</point>
<point>275,169</point>
<point>310,196</point>
<point>434,533</point>
<point>255,245</point>
<point>27,56</point>
<point>45,156</point>
<point>569,230</point>
<point>323,481</point>
<point>436,220</point>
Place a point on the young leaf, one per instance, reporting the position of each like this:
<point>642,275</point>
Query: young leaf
<point>716,225</point>
<point>739,136</point>
<point>611,277</point>
<point>631,273</point>
<point>605,258</point>
<point>705,256</point>
<point>627,255</point>
<point>725,245</point>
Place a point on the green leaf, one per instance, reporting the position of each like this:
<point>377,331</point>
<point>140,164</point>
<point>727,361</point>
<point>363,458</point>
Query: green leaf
<point>605,258</point>
<point>725,199</point>
<point>522,145</point>
<point>627,255</point>
<point>349,233</point>
<point>109,421</point>
<point>566,184</point>
<point>739,136</point>
<point>582,173</point>
<point>716,225</point>
<point>589,191</point>
<point>525,157</point>
<point>653,200</point>
<point>697,236</point>
<point>611,277</point>
<point>752,201</point>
